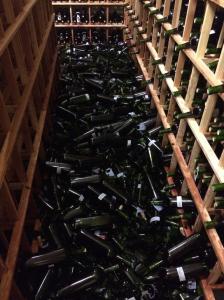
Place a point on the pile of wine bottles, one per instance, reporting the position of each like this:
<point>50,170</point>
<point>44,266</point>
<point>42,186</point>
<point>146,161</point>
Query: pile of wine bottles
<point>110,227</point>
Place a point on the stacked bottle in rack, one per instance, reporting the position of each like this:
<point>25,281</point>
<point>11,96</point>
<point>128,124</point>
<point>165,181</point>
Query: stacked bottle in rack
<point>110,227</point>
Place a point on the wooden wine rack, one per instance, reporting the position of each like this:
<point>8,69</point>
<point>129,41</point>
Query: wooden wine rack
<point>27,67</point>
<point>89,5</point>
<point>144,21</point>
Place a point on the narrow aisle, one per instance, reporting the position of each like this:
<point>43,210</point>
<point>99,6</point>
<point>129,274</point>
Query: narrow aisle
<point>110,226</point>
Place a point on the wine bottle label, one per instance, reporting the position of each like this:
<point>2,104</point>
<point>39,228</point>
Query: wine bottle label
<point>121,174</point>
<point>179,201</point>
<point>158,207</point>
<point>154,219</point>
<point>151,143</point>
<point>110,172</point>
<point>139,186</point>
<point>181,275</point>
<point>140,212</point>
<point>81,197</point>
<point>141,127</point>
<point>102,196</point>
<point>132,114</point>
<point>129,143</point>
<point>191,285</point>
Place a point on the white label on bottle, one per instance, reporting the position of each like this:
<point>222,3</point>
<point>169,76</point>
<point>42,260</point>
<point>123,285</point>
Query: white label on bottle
<point>151,143</point>
<point>114,198</point>
<point>110,172</point>
<point>58,171</point>
<point>179,201</point>
<point>154,219</point>
<point>81,197</point>
<point>121,174</point>
<point>139,186</point>
<point>180,272</point>
<point>128,142</point>
<point>141,127</point>
<point>101,196</point>
<point>191,285</point>
<point>78,19</point>
<point>158,207</point>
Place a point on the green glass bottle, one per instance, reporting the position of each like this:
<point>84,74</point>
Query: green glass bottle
<point>153,11</point>
<point>182,46</point>
<point>218,187</point>
<point>219,202</point>
<point>218,138</point>
<point>171,31</point>
<point>215,89</point>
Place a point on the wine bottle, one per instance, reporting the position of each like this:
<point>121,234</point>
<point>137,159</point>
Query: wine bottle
<point>177,252</point>
<point>86,282</point>
<point>86,180</point>
<point>96,221</point>
<point>185,272</point>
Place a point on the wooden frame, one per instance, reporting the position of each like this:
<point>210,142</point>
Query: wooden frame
<point>28,75</point>
<point>152,50</point>
<point>71,5</point>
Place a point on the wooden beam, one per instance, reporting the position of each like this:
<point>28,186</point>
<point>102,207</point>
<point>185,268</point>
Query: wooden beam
<point>15,26</point>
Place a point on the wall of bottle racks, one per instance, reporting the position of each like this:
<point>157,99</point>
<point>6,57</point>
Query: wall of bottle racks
<point>88,21</point>
<point>179,49</point>
<point>27,68</point>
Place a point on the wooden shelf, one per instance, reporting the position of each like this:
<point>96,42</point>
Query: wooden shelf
<point>87,4</point>
<point>91,26</point>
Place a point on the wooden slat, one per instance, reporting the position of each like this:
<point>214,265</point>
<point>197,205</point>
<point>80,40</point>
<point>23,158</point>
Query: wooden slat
<point>89,4</point>
<point>18,117</point>
<point>201,139</point>
<point>12,30</point>
<point>218,2</point>
<point>115,25</point>
<point>198,63</point>
<point>194,77</point>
